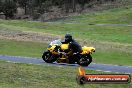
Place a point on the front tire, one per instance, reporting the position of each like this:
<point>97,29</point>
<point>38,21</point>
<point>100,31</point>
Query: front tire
<point>48,57</point>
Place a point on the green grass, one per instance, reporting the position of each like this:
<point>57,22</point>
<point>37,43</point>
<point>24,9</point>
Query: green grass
<point>83,31</point>
<point>112,16</point>
<point>18,48</point>
<point>45,76</point>
<point>112,58</point>
<point>101,33</point>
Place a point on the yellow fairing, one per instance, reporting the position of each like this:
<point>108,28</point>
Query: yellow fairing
<point>64,46</point>
<point>87,50</point>
<point>51,49</point>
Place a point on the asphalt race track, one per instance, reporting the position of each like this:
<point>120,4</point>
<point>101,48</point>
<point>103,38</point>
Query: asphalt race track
<point>93,66</point>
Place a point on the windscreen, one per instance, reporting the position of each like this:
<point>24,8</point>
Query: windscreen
<point>56,42</point>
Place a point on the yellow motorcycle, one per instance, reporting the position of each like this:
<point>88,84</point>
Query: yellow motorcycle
<point>61,53</point>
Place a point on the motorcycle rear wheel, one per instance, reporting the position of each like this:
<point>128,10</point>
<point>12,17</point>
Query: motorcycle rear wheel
<point>85,60</point>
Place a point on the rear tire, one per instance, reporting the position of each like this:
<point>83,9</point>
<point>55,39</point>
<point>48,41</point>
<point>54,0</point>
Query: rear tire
<point>48,57</point>
<point>85,60</point>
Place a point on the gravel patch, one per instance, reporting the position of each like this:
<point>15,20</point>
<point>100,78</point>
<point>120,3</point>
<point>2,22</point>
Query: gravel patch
<point>27,36</point>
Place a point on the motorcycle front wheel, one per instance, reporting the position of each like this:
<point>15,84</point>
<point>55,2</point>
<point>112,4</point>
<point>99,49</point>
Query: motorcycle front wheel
<point>48,57</point>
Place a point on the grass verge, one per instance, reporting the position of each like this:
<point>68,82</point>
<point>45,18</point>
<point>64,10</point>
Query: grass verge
<point>17,75</point>
<point>20,48</point>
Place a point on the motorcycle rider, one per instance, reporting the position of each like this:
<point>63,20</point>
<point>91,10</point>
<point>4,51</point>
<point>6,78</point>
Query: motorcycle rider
<point>73,46</point>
